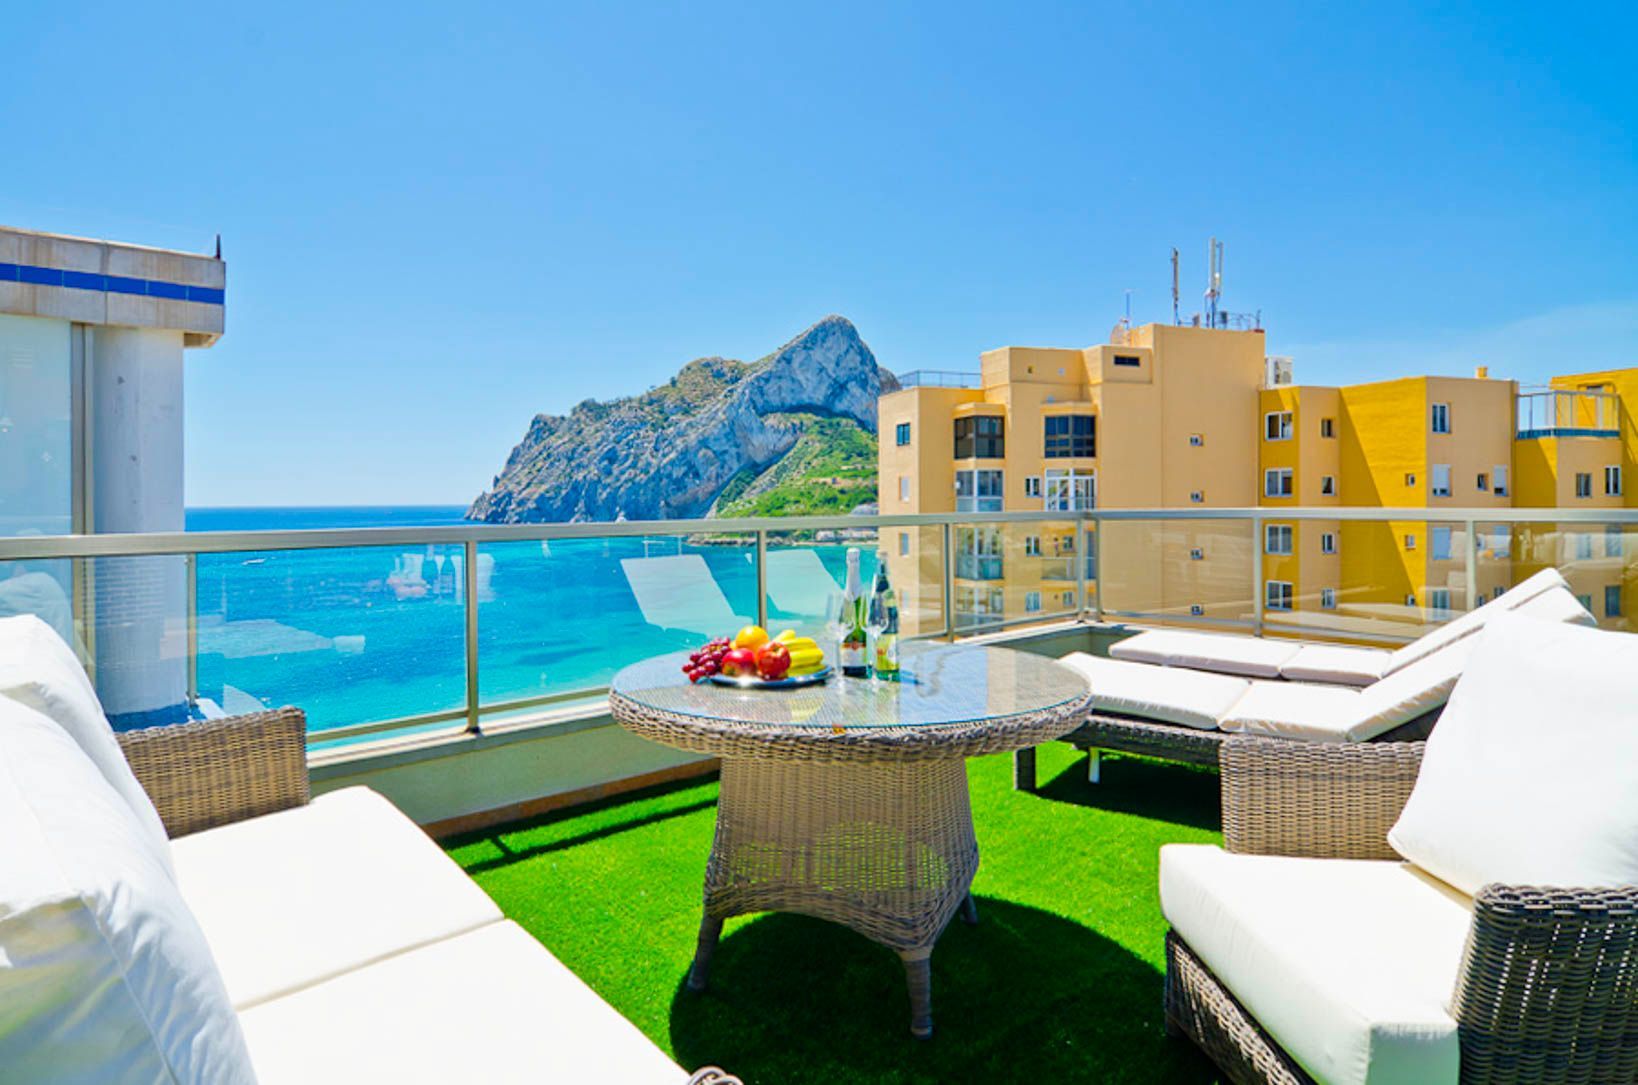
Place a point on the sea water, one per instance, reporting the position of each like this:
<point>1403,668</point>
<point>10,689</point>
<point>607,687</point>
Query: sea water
<point>365,634</point>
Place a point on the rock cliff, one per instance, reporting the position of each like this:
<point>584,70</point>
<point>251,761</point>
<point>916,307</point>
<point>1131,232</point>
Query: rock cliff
<point>669,452</point>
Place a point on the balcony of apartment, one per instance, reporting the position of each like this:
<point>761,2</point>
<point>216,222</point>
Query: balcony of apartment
<point>939,378</point>
<point>1562,413</point>
<point>463,673</point>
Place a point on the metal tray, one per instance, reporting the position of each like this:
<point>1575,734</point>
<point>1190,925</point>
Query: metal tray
<point>798,682</point>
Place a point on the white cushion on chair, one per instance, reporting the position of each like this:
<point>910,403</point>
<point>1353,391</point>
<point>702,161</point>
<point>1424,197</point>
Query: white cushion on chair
<point>1557,605</point>
<point>488,1006</point>
<point>1250,657</point>
<point>1474,620</point>
<point>1296,710</point>
<point>104,974</point>
<point>1167,694</point>
<point>1348,964</point>
<point>1531,777</point>
<point>1336,664</point>
<point>289,899</point>
<point>39,670</point>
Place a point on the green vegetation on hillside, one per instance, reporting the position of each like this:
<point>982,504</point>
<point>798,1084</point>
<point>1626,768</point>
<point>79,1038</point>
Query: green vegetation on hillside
<point>830,470</point>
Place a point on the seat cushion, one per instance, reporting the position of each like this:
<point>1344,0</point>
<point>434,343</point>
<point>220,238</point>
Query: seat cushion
<point>491,1005</point>
<point>293,898</point>
<point>1167,694</point>
<point>1474,620</point>
<point>1349,965</point>
<point>104,974</point>
<point>1531,777</point>
<point>1250,657</point>
<point>1335,665</point>
<point>1301,710</point>
<point>39,670</point>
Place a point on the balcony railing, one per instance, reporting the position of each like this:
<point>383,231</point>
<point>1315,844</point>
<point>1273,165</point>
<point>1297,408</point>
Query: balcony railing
<point>939,378</point>
<point>387,632</point>
<point>1567,413</point>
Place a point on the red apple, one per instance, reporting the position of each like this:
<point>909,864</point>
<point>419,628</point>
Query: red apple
<point>773,660</point>
<point>739,662</point>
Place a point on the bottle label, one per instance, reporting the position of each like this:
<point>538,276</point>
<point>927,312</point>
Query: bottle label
<point>853,655</point>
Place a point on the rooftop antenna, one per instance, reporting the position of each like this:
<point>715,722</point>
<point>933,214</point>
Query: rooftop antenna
<point>1128,307</point>
<point>1177,317</point>
<point>1214,287</point>
<point>218,246</point>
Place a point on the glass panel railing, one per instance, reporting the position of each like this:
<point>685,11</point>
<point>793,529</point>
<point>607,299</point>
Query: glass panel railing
<point>915,566</point>
<point>807,572</point>
<point>1007,574</point>
<point>1194,572</point>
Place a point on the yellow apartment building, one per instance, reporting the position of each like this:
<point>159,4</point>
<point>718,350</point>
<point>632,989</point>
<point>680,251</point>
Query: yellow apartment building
<point>1188,417</point>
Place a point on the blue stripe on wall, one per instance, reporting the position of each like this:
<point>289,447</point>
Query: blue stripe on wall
<point>110,284</point>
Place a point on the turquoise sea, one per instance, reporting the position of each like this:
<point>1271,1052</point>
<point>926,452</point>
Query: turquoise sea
<point>366,634</point>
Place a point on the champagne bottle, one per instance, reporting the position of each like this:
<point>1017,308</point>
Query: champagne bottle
<point>852,621</point>
<point>884,620</point>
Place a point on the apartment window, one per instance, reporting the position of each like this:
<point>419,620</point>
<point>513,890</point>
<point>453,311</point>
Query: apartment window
<point>901,434</point>
<point>1328,599</point>
<point>1483,482</point>
<point>1277,426</point>
<point>1197,496</point>
<point>1277,539</point>
<point>1499,476</point>
<point>1070,435</point>
<point>1612,481</point>
<point>1328,542</point>
<point>1067,598</point>
<point>1128,360</point>
<point>1277,596</point>
<point>1441,480</point>
<point>1586,602</point>
<point>1277,482</point>
<point>1328,427</point>
<point>980,437</point>
<point>1328,485</point>
<point>904,544</point>
<point>1583,547</point>
<point>1032,486</point>
<point>1067,490</point>
<point>1032,601</point>
<point>1439,543</point>
<point>1439,602</point>
<point>904,487</point>
<point>1612,540</point>
<point>1196,440</point>
<point>1410,478</point>
<point>1612,601</point>
<point>978,491</point>
<point>1032,546</point>
<point>1441,418</point>
<point>1410,599</point>
<point>1196,610</point>
<point>1410,542</point>
<point>1197,554</point>
<point>1583,483</point>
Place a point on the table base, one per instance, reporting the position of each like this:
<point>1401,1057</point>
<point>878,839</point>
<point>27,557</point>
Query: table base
<point>883,848</point>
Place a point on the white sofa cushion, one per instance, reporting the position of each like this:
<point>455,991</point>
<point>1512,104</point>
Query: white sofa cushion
<point>39,670</point>
<point>1557,605</point>
<point>491,1005</point>
<point>1251,657</point>
<point>104,975</point>
<point>1336,664</point>
<point>1295,710</point>
<point>1169,694</point>
<point>1474,620</point>
<point>1531,777</point>
<point>293,898</point>
<point>1348,964</point>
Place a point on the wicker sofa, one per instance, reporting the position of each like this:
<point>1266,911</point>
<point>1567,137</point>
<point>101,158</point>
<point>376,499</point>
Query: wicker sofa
<point>272,937</point>
<point>1310,948</point>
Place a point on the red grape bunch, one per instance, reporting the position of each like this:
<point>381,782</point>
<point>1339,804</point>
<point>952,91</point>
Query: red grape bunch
<point>706,661</point>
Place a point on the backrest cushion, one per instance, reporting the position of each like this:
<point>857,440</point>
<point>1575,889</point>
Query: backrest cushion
<point>1409,692</point>
<point>1531,777</point>
<point>1474,620</point>
<point>1557,605</point>
<point>38,669</point>
<point>104,974</point>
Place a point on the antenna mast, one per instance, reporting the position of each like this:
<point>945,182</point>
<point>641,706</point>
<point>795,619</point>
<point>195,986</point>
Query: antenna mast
<point>1176,315</point>
<point>1214,287</point>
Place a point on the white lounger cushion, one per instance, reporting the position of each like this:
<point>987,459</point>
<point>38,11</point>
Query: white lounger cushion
<point>1474,620</point>
<point>491,1005</point>
<point>1336,664</point>
<point>39,670</point>
<point>1252,657</point>
<point>1349,964</point>
<point>1531,777</point>
<point>293,898</point>
<point>104,974</point>
<point>1171,695</point>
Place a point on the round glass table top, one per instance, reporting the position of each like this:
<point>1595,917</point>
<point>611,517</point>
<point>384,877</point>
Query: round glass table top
<point>939,685</point>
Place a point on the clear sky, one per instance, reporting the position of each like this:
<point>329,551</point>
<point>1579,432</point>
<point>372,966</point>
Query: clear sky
<point>442,219</point>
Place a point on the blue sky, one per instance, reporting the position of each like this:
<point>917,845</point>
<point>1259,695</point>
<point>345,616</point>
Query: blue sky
<point>442,219</point>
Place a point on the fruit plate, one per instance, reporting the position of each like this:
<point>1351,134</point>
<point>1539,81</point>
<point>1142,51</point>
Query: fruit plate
<point>748,682</point>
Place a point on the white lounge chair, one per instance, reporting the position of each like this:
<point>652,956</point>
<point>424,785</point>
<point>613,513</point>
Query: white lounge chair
<point>1329,664</point>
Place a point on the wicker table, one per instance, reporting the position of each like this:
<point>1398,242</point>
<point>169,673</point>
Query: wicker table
<point>848,800</point>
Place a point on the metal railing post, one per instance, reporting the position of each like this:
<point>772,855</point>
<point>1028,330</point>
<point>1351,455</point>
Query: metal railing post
<point>190,565</point>
<point>762,578</point>
<point>949,581</point>
<point>1472,565</point>
<point>1257,599</point>
<point>1097,548</point>
<point>470,575</point>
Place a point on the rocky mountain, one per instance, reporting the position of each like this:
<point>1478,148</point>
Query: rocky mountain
<point>670,452</point>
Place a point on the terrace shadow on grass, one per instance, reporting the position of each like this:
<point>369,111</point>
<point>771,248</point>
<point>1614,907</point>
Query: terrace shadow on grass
<point>1161,790</point>
<point>1025,995</point>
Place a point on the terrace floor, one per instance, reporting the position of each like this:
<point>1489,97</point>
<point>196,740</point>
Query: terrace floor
<point>1060,981</point>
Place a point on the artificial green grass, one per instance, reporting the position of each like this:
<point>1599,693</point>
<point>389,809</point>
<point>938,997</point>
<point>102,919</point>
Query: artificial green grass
<point>1060,981</point>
